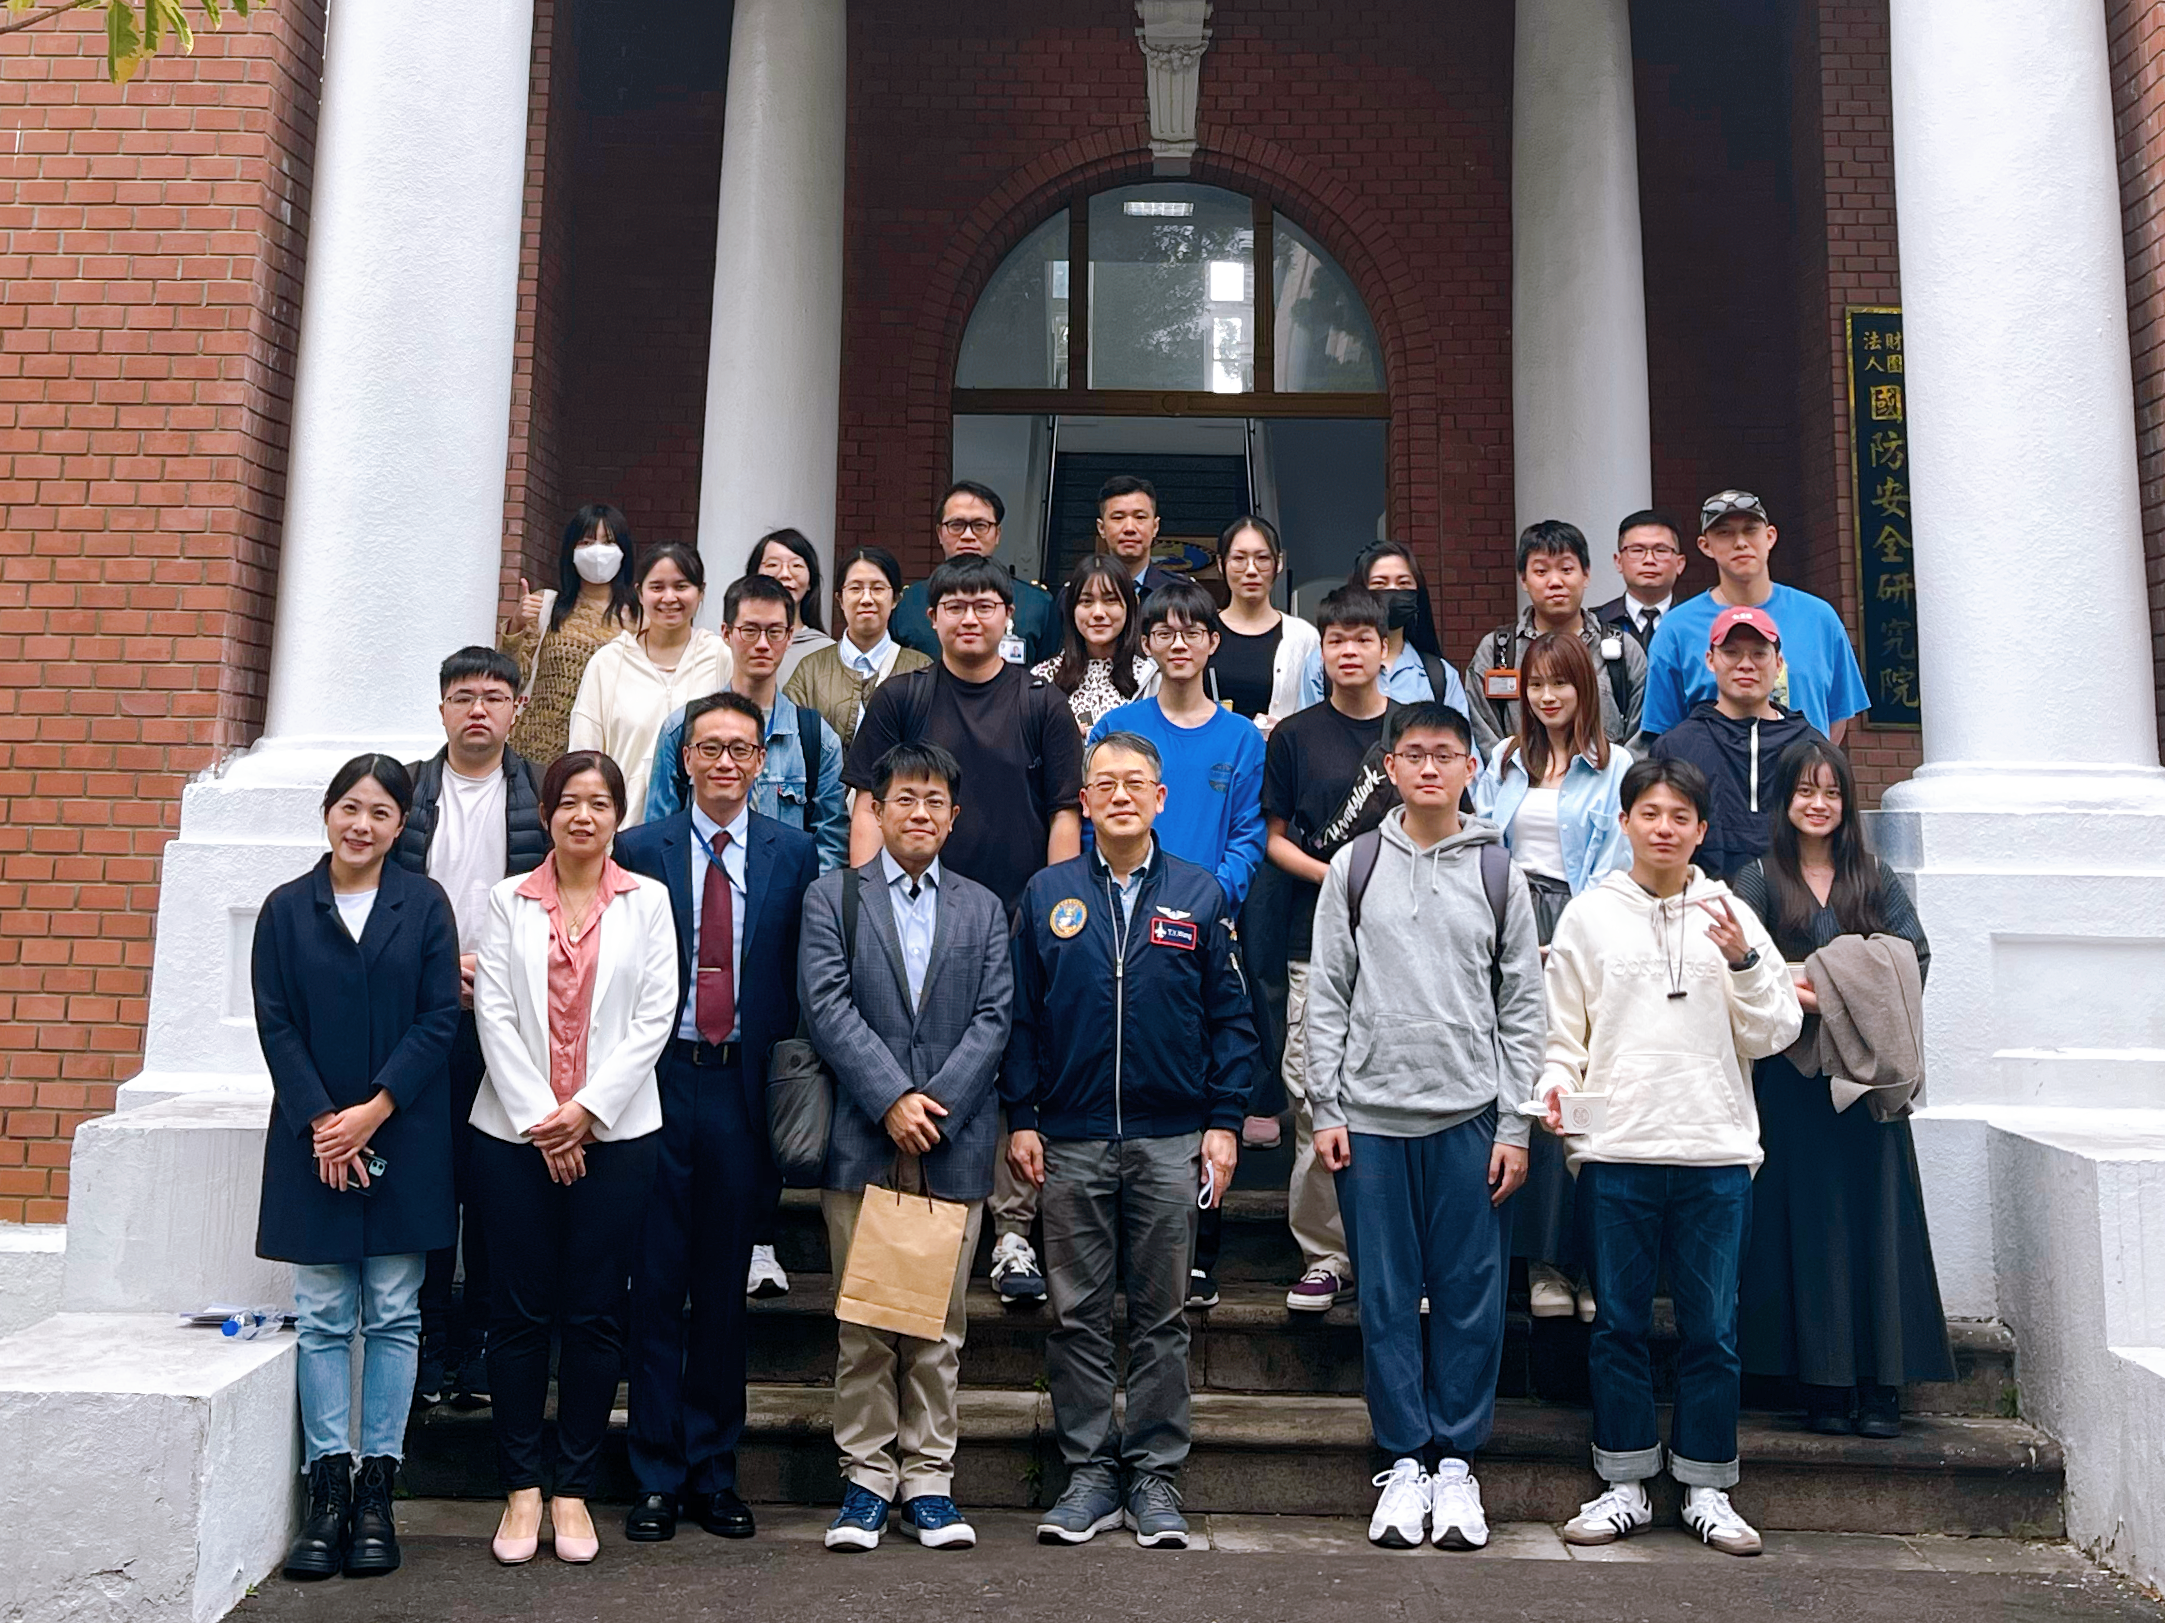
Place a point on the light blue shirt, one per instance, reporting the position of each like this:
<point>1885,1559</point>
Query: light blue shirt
<point>1588,804</point>
<point>704,831</point>
<point>916,921</point>
<point>1126,888</point>
<point>866,662</point>
<point>780,792</point>
<point>1819,674</point>
<point>1404,679</point>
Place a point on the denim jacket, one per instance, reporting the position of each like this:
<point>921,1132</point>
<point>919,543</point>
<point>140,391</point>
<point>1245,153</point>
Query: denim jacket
<point>779,790</point>
<point>1587,821</point>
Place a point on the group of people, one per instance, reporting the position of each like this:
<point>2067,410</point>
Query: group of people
<point>1072,896</point>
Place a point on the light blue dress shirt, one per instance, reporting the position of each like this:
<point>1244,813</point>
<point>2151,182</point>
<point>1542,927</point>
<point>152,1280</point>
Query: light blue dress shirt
<point>866,662</point>
<point>704,831</point>
<point>780,790</point>
<point>916,922</point>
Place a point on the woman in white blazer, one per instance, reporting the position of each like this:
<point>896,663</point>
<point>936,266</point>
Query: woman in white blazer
<point>575,996</point>
<point>1257,670</point>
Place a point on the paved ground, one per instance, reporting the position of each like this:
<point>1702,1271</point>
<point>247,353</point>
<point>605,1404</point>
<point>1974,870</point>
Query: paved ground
<point>1262,1568</point>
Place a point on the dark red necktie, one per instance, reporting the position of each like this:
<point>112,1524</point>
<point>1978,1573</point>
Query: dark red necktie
<point>716,1007</point>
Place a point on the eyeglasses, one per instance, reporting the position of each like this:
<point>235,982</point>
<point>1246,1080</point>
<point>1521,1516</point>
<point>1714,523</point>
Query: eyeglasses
<point>1643,554</point>
<point>976,528</point>
<point>773,634</point>
<point>463,699</point>
<point>971,608</point>
<point>1417,759</point>
<point>1137,786</point>
<point>1178,636</point>
<point>738,750</point>
<point>907,803</point>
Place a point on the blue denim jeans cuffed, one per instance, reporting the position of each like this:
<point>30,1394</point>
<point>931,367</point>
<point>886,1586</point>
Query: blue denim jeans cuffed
<point>381,1299</point>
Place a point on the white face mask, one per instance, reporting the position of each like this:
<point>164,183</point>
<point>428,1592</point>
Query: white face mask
<point>597,561</point>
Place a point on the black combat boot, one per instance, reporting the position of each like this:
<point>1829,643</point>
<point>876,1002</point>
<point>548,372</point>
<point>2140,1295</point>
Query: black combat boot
<point>374,1549</point>
<point>327,1523</point>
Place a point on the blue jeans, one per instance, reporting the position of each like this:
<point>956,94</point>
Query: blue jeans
<point>1418,1218</point>
<point>1690,1222</point>
<point>381,1297</point>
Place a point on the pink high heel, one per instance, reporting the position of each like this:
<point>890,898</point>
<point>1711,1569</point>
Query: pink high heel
<point>514,1552</point>
<point>572,1550</point>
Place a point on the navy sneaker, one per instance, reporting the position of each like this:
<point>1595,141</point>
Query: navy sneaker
<point>859,1523</point>
<point>933,1520</point>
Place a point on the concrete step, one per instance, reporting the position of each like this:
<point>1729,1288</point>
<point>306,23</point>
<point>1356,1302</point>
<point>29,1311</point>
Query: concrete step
<point>1312,1455</point>
<point>1251,1342</point>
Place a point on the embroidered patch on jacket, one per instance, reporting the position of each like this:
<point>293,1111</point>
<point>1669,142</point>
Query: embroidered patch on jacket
<point>1181,933</point>
<point>1069,917</point>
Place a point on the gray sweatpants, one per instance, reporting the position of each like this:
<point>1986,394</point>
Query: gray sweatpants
<point>1103,1197</point>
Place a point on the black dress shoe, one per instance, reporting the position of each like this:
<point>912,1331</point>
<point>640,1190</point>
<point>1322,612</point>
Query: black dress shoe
<point>373,1549</point>
<point>327,1523</point>
<point>1826,1410</point>
<point>653,1520</point>
<point>1879,1410</point>
<point>722,1513</point>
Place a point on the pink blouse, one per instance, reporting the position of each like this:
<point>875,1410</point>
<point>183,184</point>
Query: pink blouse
<point>572,960</point>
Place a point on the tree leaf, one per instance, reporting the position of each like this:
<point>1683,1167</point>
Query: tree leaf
<point>214,13</point>
<point>161,17</point>
<point>124,51</point>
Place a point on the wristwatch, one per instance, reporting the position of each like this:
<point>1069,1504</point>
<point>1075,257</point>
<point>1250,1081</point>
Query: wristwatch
<point>1746,962</point>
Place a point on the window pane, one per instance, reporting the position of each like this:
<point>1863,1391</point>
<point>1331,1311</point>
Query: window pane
<point>1172,289</point>
<point>1321,336</point>
<point>1017,336</point>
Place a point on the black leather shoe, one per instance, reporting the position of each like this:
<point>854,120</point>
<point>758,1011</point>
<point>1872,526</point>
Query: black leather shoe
<point>653,1520</point>
<point>723,1514</point>
<point>1826,1410</point>
<point>374,1547</point>
<point>1879,1411</point>
<point>327,1523</point>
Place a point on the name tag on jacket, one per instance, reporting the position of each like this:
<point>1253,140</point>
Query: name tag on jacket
<point>1181,933</point>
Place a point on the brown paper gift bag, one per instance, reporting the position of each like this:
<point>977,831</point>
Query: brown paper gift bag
<point>902,1260</point>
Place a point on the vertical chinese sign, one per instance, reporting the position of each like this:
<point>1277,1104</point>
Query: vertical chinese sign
<point>1879,476</point>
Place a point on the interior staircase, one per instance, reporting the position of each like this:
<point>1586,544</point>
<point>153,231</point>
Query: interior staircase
<point>1279,1425</point>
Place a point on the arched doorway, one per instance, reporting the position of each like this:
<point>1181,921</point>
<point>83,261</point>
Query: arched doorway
<point>1210,345</point>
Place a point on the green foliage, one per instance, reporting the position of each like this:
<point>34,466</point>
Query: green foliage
<point>135,30</point>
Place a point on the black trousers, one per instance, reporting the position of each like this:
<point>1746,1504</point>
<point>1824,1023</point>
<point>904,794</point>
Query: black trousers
<point>714,1187</point>
<point>564,1253</point>
<point>441,1326</point>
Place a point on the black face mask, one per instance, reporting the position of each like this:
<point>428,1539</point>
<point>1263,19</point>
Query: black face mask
<point>1400,609</point>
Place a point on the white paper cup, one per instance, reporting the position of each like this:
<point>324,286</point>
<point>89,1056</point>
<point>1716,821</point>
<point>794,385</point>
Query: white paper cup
<point>1585,1112</point>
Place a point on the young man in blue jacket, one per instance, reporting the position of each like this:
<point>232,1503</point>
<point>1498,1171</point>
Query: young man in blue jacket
<point>1129,1065</point>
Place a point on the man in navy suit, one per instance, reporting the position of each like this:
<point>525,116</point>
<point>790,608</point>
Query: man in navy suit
<point>736,884</point>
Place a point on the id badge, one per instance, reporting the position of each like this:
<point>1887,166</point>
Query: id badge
<point>1500,683</point>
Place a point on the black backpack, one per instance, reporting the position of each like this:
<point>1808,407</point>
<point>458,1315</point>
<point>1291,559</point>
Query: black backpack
<point>1495,883</point>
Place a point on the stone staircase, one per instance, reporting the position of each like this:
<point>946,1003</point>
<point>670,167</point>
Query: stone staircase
<point>1279,1425</point>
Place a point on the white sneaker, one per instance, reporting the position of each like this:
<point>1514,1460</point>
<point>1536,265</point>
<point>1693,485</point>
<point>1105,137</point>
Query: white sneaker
<point>766,1277</point>
<point>1622,1511</point>
<point>1587,1306</point>
<point>1015,1273</point>
<point>1454,1508</point>
<point>1708,1513</point>
<point>1401,1518</point>
<point>1549,1293</point>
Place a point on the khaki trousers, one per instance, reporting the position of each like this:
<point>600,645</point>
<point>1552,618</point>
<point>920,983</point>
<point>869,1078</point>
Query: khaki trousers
<point>895,1395</point>
<point>1014,1200</point>
<point>1312,1195</point>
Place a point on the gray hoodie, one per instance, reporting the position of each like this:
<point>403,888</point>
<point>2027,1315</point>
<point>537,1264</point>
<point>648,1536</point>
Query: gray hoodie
<point>1418,1041</point>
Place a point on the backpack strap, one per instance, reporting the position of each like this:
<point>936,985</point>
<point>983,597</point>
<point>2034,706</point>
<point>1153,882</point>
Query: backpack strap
<point>1360,868</point>
<point>808,730</point>
<point>1496,881</point>
<point>918,710</point>
<point>1439,679</point>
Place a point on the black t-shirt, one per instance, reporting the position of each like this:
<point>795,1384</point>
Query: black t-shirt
<point>1310,766</point>
<point>1242,666</point>
<point>1020,755</point>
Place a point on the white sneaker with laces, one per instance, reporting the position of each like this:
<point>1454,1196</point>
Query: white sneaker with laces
<point>1548,1293</point>
<point>1708,1513</point>
<point>1454,1508</point>
<point>1401,1518</point>
<point>1623,1510</point>
<point>765,1277</point>
<point>1015,1273</point>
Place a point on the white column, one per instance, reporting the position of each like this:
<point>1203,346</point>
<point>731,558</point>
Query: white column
<point>1582,441</point>
<point>774,361</point>
<point>2034,835</point>
<point>393,535</point>
<point>402,395</point>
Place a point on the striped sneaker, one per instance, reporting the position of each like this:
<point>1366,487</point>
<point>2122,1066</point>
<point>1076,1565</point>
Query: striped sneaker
<point>1622,1511</point>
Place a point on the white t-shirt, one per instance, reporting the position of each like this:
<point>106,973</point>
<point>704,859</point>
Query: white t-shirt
<point>353,909</point>
<point>468,854</point>
<point>1535,841</point>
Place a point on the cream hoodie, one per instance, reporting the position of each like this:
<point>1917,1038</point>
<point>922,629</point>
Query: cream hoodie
<point>624,698</point>
<point>1677,1070</point>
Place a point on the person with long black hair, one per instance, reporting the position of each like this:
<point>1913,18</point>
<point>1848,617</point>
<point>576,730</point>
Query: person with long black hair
<point>595,598</point>
<point>1101,664</point>
<point>1413,664</point>
<point>788,556</point>
<point>1839,1289</point>
<point>355,972</point>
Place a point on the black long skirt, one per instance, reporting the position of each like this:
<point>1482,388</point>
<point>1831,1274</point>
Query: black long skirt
<point>1838,1285</point>
<point>1542,1220</point>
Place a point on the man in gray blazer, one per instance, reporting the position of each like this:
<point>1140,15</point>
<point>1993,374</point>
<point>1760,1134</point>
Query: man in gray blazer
<point>904,974</point>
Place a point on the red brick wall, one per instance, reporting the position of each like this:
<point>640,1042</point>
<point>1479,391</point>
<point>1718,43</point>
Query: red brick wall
<point>1843,141</point>
<point>2137,37</point>
<point>150,256</point>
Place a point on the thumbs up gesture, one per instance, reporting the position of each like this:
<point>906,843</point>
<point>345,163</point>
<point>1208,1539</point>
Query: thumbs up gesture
<point>529,606</point>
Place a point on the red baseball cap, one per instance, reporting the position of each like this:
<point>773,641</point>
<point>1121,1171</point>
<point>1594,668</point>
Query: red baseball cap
<point>1758,619</point>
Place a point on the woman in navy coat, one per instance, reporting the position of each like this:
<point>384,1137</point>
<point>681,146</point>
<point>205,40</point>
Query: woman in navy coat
<point>356,972</point>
